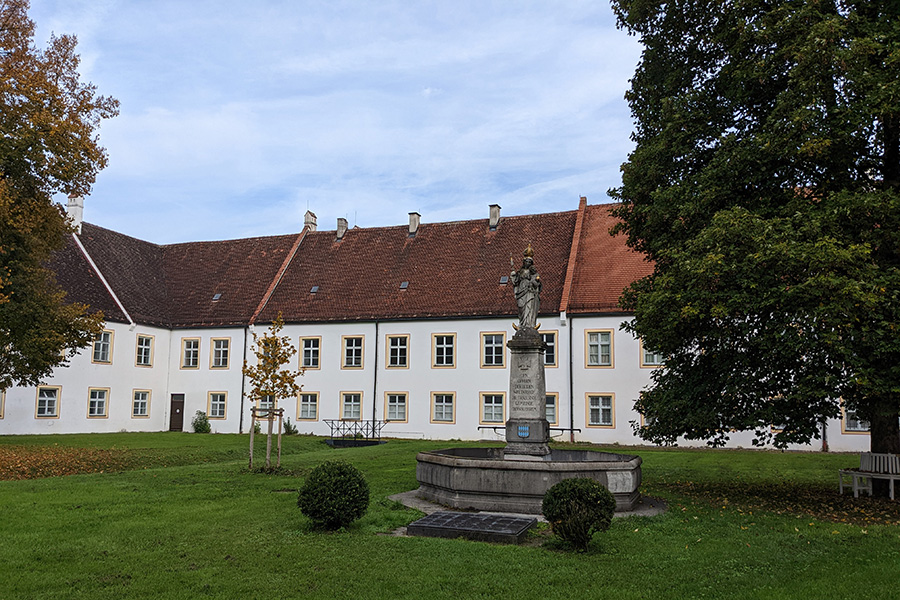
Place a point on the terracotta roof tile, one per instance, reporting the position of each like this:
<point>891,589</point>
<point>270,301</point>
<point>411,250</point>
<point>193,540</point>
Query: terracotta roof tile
<point>239,270</point>
<point>452,270</point>
<point>81,283</point>
<point>604,265</point>
<point>134,270</point>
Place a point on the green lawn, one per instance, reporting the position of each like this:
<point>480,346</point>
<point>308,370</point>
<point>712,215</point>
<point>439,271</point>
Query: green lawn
<point>185,519</point>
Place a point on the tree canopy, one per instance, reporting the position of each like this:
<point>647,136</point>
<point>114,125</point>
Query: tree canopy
<point>269,377</point>
<point>765,187</point>
<point>48,145</point>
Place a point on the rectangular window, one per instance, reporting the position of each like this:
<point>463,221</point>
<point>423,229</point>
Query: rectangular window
<point>492,408</point>
<point>220,348</point>
<point>190,353</point>
<point>549,340</point>
<point>442,408</point>
<point>47,402</point>
<point>398,351</point>
<point>600,410</point>
<point>444,350</point>
<point>144,356</point>
<point>396,406</point>
<point>102,347</point>
<point>351,406</point>
<point>853,424</point>
<point>492,349</point>
<point>310,357</point>
<point>599,348</point>
<point>550,408</point>
<point>97,402</point>
<point>353,352</point>
<point>309,406</point>
<point>650,359</point>
<point>217,403</point>
<point>140,403</point>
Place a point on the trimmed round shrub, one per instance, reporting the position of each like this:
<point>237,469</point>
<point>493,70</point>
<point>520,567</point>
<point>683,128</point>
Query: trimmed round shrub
<point>578,508</point>
<point>334,495</point>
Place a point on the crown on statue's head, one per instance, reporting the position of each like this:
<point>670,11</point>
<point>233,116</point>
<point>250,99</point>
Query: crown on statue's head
<point>529,252</point>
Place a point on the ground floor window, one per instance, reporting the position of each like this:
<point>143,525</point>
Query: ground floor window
<point>97,402</point>
<point>47,402</point>
<point>309,406</point>
<point>396,407</point>
<point>492,408</point>
<point>600,410</point>
<point>140,404</point>
<point>853,424</point>
<point>217,403</point>
<point>550,408</point>
<point>442,408</point>
<point>352,406</point>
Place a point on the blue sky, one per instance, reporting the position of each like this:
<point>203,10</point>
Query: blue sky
<point>237,116</point>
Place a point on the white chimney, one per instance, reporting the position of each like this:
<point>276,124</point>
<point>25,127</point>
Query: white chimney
<point>309,220</point>
<point>75,210</point>
<point>414,219</point>
<point>495,216</point>
<point>341,228</point>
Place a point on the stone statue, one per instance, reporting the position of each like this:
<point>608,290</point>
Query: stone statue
<point>527,285</point>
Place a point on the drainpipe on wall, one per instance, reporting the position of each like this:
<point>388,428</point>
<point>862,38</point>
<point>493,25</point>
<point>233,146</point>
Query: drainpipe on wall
<point>375,378</point>
<point>564,319</point>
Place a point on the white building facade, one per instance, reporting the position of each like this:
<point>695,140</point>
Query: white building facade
<point>396,348</point>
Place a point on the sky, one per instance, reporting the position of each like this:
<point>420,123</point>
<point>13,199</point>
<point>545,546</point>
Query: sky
<point>238,116</point>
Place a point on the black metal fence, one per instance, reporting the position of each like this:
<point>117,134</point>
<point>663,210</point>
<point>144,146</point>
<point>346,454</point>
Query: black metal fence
<point>362,431</point>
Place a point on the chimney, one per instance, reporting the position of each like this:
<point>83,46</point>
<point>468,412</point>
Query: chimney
<point>75,210</point>
<point>414,223</point>
<point>341,228</point>
<point>309,220</point>
<point>495,216</point>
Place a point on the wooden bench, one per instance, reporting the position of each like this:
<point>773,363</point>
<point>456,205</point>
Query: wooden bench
<point>872,465</point>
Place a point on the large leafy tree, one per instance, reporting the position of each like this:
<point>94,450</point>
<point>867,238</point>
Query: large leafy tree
<point>48,145</point>
<point>765,187</point>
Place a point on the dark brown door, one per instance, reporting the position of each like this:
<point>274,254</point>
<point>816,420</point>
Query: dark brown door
<point>176,418</point>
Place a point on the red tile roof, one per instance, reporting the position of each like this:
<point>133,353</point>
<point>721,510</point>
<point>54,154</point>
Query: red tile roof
<point>604,265</point>
<point>81,283</point>
<point>450,269</point>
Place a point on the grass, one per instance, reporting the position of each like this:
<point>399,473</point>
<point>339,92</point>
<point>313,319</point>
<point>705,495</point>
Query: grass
<point>182,517</point>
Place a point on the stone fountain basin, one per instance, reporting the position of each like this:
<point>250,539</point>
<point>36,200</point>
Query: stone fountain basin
<point>485,479</point>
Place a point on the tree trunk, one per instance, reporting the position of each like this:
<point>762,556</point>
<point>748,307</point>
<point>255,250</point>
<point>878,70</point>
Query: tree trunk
<point>269,443</point>
<point>884,434</point>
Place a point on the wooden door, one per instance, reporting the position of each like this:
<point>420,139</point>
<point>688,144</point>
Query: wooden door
<point>176,414</point>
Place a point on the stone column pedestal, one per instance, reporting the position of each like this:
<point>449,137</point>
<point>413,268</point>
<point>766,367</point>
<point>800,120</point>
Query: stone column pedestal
<point>527,430</point>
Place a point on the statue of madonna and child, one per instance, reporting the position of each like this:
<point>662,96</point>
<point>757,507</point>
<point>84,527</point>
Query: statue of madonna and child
<point>527,286</point>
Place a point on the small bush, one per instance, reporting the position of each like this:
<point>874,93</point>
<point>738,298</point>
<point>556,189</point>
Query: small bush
<point>289,428</point>
<point>200,423</point>
<point>578,508</point>
<point>334,495</point>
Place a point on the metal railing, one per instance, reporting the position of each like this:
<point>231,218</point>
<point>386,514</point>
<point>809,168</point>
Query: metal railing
<point>355,430</point>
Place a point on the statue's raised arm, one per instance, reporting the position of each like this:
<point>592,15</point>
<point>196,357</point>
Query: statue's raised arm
<point>527,286</point>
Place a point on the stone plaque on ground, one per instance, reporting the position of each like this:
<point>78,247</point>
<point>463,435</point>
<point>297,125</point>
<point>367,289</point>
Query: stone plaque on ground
<point>482,527</point>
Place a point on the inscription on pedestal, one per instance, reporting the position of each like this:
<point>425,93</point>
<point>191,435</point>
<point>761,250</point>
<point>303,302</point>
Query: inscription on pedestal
<point>525,397</point>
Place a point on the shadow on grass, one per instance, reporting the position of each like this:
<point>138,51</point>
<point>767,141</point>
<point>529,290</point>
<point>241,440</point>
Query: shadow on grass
<point>818,501</point>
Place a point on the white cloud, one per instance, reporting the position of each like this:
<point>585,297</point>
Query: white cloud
<point>237,115</point>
